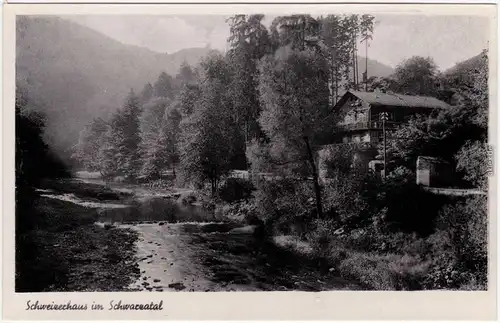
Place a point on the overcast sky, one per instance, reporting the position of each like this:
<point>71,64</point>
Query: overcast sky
<point>447,39</point>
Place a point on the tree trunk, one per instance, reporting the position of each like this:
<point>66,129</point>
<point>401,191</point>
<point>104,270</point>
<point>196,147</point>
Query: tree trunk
<point>317,188</point>
<point>338,78</point>
<point>356,63</point>
<point>246,143</point>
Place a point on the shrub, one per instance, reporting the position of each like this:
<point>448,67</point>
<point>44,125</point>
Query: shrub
<point>285,204</point>
<point>321,233</point>
<point>242,212</point>
<point>385,272</point>
<point>348,195</point>
<point>235,189</point>
<point>187,198</point>
<point>409,207</point>
<point>459,248</point>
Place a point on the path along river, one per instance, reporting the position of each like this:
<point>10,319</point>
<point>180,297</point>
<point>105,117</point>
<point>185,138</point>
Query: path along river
<point>182,248</point>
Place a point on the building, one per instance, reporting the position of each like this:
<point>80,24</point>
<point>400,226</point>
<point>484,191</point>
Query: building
<point>358,118</point>
<point>359,113</point>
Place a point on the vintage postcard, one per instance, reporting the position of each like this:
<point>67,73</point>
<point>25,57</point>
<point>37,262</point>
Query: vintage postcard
<point>249,162</point>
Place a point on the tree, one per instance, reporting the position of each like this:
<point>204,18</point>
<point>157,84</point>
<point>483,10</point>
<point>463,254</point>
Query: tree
<point>34,158</point>
<point>186,74</point>
<point>366,28</point>
<point>208,133</point>
<point>124,137</point>
<point>249,41</point>
<point>382,84</point>
<point>472,159</point>
<point>147,93</point>
<point>170,136</point>
<point>151,125</point>
<point>293,88</point>
<point>89,143</point>
<point>416,76</point>
<point>247,32</point>
<point>473,94</point>
<point>469,83</point>
<point>188,97</point>
<point>164,86</point>
<point>335,45</point>
<point>349,195</point>
<point>337,41</point>
<point>107,153</point>
<point>294,30</point>
<point>351,26</point>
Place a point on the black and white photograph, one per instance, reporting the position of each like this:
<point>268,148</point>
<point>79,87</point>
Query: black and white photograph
<point>312,152</point>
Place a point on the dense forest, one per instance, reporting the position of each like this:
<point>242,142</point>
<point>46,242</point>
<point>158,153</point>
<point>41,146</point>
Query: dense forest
<point>266,106</point>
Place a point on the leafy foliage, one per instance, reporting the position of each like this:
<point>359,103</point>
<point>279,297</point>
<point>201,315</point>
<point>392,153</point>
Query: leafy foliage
<point>234,189</point>
<point>152,124</point>
<point>90,140</point>
<point>350,193</point>
<point>293,90</point>
<point>164,86</point>
<point>208,133</point>
<point>471,160</point>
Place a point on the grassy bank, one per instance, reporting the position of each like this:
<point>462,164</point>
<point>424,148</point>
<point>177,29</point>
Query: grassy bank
<point>397,262</point>
<point>65,251</point>
<point>398,239</point>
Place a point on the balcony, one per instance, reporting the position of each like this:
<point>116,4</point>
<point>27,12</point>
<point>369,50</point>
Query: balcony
<point>367,125</point>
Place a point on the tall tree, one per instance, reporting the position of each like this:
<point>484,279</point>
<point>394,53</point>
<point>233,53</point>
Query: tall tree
<point>151,123</point>
<point>335,44</point>
<point>107,153</point>
<point>294,30</point>
<point>416,76</point>
<point>147,93</point>
<point>353,28</point>
<point>89,143</point>
<point>126,136</point>
<point>186,74</point>
<point>170,137</point>
<point>188,98</point>
<point>293,88</point>
<point>164,86</point>
<point>366,28</point>
<point>249,41</point>
<point>208,132</point>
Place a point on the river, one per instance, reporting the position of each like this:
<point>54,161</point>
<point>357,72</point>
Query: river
<point>184,248</point>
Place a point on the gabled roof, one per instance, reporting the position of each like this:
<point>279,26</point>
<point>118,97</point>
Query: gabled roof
<point>397,100</point>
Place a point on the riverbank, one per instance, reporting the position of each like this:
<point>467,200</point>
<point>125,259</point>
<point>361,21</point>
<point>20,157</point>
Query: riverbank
<point>90,237</point>
<point>66,251</point>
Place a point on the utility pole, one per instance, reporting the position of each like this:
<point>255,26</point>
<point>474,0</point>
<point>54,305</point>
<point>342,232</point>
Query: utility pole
<point>366,66</point>
<point>384,116</point>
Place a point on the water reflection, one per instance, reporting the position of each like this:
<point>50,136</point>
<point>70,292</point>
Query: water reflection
<point>154,210</point>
